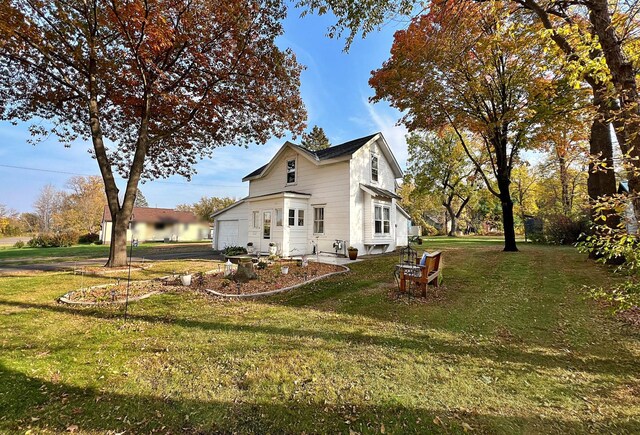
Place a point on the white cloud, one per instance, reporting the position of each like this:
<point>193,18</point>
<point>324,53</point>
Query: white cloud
<point>385,122</point>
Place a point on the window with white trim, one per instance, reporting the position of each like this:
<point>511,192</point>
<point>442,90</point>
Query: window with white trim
<point>374,167</point>
<point>381,215</point>
<point>291,171</point>
<point>256,219</point>
<point>296,217</point>
<point>278,217</point>
<point>292,217</point>
<point>318,220</point>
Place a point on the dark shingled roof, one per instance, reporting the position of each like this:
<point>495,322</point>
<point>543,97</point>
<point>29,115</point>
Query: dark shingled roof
<point>257,171</point>
<point>379,192</point>
<point>344,149</point>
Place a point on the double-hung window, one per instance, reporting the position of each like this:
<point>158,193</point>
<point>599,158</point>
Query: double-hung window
<point>296,217</point>
<point>318,220</point>
<point>381,217</point>
<point>292,217</point>
<point>291,171</point>
<point>374,167</point>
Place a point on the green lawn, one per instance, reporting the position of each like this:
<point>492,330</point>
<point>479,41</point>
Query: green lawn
<point>510,345</point>
<point>78,252</point>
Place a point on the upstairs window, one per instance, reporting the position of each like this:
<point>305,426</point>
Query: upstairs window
<point>374,167</point>
<point>291,171</point>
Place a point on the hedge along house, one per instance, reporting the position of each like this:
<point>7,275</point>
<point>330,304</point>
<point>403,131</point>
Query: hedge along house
<point>159,225</point>
<point>306,202</point>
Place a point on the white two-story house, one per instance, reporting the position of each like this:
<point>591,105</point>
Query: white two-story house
<point>309,202</point>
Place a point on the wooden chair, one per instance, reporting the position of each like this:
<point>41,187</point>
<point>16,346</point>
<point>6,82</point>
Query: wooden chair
<point>428,274</point>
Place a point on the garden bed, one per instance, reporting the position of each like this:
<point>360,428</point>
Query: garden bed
<point>269,280</point>
<point>117,293</point>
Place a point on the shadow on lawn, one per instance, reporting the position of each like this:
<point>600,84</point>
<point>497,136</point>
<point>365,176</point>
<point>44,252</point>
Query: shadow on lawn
<point>32,403</point>
<point>501,354</point>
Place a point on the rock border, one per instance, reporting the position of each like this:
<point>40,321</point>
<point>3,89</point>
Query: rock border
<point>65,297</point>
<point>65,300</point>
<point>279,290</point>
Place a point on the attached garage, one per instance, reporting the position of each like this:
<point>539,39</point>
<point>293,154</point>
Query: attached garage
<point>227,233</point>
<point>230,226</point>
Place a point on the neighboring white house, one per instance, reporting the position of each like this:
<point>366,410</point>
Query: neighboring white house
<point>159,224</point>
<point>629,215</point>
<point>319,201</point>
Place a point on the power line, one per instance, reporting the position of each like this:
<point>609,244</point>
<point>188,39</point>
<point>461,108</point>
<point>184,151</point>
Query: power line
<point>95,175</point>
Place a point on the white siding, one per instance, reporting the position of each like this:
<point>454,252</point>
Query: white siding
<point>256,235</point>
<point>402,228</point>
<point>147,232</point>
<point>327,185</point>
<point>238,213</point>
<point>297,237</point>
<point>362,204</point>
<point>348,210</point>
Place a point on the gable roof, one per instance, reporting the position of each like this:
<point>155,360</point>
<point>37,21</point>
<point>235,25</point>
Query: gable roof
<point>157,215</point>
<point>229,207</point>
<point>345,149</point>
<point>335,152</point>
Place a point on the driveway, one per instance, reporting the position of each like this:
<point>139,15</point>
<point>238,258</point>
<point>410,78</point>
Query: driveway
<point>206,253</point>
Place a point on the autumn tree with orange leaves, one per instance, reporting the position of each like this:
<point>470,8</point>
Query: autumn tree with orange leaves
<point>155,85</point>
<point>597,41</point>
<point>474,67</point>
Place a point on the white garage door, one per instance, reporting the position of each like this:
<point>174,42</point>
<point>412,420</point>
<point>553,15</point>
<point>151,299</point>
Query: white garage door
<point>227,234</point>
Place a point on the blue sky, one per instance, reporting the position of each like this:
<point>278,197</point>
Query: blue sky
<point>335,91</point>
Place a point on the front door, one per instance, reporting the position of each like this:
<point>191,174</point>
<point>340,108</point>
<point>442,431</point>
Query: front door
<point>266,231</point>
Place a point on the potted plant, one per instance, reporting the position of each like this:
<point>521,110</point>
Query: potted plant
<point>250,248</point>
<point>284,270</point>
<point>186,279</point>
<point>273,249</point>
<point>353,252</point>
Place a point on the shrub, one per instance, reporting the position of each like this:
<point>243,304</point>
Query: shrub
<point>53,240</point>
<point>429,230</point>
<point>19,244</point>
<point>234,250</point>
<point>38,241</point>
<point>88,238</point>
<point>562,230</point>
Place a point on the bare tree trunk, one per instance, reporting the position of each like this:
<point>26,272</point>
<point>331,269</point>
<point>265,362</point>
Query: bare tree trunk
<point>452,219</point>
<point>118,248</point>
<point>601,182</point>
<point>507,215</point>
<point>564,184</point>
